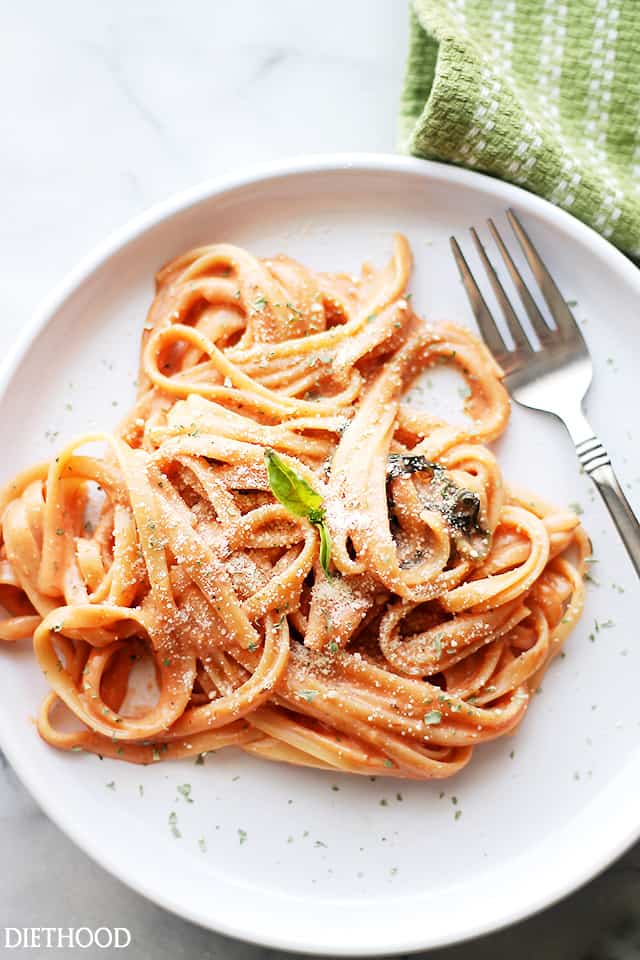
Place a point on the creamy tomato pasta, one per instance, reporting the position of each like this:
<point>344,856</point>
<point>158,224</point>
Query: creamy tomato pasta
<point>297,561</point>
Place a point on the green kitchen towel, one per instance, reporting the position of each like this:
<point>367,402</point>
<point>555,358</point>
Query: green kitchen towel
<point>543,93</point>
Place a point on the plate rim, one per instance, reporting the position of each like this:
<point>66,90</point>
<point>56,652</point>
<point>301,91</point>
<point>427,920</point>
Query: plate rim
<point>134,228</point>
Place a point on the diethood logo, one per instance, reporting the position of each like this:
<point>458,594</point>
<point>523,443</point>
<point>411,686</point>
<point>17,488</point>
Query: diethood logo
<point>81,938</point>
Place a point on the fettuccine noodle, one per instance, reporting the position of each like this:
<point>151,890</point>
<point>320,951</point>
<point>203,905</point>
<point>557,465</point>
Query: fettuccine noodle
<point>178,607</point>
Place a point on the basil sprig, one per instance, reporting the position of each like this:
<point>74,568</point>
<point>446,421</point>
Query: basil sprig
<point>300,499</point>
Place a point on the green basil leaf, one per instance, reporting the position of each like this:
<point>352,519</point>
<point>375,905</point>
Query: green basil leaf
<point>325,549</point>
<point>301,499</point>
<point>292,490</point>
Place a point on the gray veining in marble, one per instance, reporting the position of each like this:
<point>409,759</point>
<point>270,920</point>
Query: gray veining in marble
<point>107,108</point>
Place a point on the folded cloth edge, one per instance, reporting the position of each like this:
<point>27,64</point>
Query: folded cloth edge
<point>446,81</point>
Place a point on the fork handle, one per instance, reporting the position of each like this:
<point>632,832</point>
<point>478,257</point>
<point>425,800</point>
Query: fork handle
<point>596,463</point>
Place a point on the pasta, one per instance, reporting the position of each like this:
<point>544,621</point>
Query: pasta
<point>276,551</point>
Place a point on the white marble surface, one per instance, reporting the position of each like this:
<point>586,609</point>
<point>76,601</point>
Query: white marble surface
<point>107,108</point>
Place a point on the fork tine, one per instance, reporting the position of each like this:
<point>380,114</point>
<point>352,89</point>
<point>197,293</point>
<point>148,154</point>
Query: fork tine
<point>490,333</point>
<point>543,331</point>
<point>515,329</point>
<point>560,312</point>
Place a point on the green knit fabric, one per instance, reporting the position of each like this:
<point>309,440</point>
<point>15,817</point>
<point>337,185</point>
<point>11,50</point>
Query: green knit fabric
<point>543,93</point>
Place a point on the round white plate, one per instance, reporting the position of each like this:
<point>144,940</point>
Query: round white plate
<point>340,864</point>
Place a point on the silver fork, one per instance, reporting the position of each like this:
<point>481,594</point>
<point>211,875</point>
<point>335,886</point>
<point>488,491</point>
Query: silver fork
<point>552,376</point>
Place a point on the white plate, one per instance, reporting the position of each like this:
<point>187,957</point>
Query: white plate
<point>341,871</point>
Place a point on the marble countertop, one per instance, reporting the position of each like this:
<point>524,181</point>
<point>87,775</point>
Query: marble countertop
<point>108,108</point>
